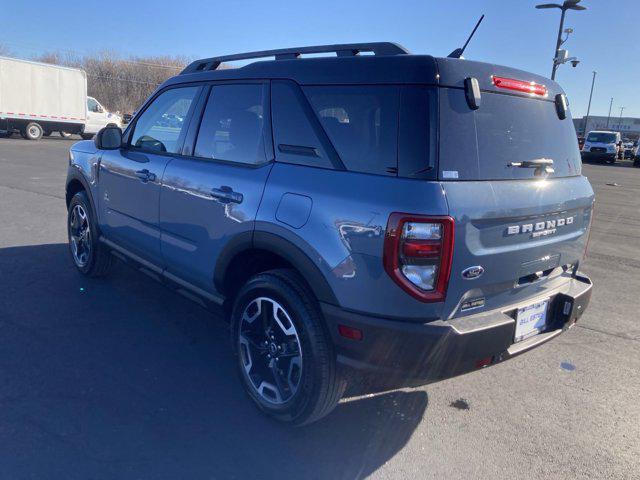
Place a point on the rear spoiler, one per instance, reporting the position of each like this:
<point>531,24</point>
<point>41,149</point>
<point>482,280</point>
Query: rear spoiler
<point>453,73</point>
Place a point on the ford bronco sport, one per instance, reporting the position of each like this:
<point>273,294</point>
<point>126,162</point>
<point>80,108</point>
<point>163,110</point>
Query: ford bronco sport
<point>392,216</point>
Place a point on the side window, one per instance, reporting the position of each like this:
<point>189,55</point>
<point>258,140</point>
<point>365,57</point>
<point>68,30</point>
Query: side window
<point>296,140</point>
<point>362,123</point>
<point>92,105</point>
<point>233,123</point>
<point>162,124</point>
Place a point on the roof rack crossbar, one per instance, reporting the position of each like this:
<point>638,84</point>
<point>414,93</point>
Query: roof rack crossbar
<point>341,50</point>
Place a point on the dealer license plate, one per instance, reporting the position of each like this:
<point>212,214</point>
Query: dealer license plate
<point>531,320</point>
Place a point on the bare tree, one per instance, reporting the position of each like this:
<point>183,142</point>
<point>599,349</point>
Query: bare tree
<point>120,84</point>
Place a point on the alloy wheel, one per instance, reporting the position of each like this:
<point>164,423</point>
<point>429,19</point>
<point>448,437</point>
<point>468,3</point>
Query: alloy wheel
<point>270,350</point>
<point>80,235</point>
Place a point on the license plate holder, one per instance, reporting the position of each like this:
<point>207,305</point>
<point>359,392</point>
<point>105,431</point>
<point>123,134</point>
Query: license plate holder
<point>531,320</point>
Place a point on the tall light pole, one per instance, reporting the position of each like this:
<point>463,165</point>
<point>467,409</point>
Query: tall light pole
<point>609,116</point>
<point>620,119</point>
<point>566,5</point>
<point>586,119</point>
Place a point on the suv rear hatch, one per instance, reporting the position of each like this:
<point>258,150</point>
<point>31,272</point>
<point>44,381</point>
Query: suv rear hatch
<point>519,232</point>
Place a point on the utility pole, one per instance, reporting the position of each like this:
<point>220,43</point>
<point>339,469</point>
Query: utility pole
<point>609,116</point>
<point>586,119</point>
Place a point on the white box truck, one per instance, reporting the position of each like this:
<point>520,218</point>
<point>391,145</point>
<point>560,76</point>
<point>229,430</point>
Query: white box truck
<point>37,99</point>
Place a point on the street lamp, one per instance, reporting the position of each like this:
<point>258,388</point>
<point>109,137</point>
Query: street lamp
<point>566,5</point>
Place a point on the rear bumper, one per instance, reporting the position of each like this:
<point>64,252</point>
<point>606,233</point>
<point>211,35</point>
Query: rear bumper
<point>408,354</point>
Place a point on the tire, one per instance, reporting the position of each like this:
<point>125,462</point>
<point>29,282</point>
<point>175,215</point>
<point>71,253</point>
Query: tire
<point>65,134</point>
<point>636,162</point>
<point>46,133</point>
<point>87,136</point>
<point>33,131</point>
<point>298,342</point>
<point>611,160</point>
<point>90,257</point>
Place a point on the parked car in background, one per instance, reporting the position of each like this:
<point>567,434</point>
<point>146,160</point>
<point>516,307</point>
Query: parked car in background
<point>602,145</point>
<point>629,149</point>
<point>329,205</point>
<point>37,99</point>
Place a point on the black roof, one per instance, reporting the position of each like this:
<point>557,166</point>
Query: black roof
<point>389,64</point>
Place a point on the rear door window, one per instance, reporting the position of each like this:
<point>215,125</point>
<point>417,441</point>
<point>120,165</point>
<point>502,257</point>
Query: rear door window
<point>361,122</point>
<point>232,127</point>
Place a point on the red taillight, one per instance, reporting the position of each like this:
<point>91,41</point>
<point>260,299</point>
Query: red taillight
<point>417,254</point>
<point>520,86</point>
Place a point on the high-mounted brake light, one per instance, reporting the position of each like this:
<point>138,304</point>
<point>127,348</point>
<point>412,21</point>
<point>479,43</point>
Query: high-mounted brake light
<point>520,86</point>
<point>417,254</point>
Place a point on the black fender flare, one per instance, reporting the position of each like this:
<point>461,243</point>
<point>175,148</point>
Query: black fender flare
<point>75,174</point>
<point>282,247</point>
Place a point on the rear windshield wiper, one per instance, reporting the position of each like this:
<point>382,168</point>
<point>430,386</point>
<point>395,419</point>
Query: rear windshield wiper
<point>542,165</point>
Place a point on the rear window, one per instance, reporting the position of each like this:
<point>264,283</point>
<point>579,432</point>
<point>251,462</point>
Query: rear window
<point>600,137</point>
<point>480,144</point>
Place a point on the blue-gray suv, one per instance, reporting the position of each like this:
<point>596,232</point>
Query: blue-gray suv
<point>368,217</point>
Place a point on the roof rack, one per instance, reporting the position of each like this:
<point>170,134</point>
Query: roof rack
<point>342,50</point>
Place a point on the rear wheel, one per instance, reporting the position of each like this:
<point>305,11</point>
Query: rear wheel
<point>46,133</point>
<point>285,356</point>
<point>90,257</point>
<point>33,131</point>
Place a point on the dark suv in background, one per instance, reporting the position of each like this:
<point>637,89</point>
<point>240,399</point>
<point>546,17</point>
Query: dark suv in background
<point>389,216</point>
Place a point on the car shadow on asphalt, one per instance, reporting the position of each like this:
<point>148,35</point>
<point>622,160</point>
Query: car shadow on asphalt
<point>123,378</point>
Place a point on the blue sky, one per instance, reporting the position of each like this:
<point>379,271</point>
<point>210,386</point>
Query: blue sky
<point>513,33</point>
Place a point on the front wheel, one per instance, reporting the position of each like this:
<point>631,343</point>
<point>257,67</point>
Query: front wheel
<point>285,355</point>
<point>90,257</point>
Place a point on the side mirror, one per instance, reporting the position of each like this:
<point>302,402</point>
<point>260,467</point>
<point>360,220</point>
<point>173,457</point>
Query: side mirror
<point>109,138</point>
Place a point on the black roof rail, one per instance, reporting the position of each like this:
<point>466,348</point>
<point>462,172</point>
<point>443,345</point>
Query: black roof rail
<point>342,50</point>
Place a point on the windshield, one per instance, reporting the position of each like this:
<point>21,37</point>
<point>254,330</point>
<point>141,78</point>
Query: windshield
<point>601,137</point>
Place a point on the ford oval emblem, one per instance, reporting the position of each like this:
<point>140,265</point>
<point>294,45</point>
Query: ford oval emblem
<point>472,272</point>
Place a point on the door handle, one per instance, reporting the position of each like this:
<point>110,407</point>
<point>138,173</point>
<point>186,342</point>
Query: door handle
<point>146,176</point>
<point>226,194</point>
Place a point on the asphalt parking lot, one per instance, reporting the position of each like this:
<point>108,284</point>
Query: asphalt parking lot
<point>122,378</point>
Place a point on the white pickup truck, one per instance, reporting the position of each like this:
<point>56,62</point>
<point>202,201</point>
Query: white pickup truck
<point>38,99</point>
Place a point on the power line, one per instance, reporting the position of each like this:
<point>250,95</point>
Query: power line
<point>108,77</point>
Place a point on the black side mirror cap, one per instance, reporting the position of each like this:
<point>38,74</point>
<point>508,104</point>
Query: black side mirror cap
<point>472,92</point>
<point>109,138</point>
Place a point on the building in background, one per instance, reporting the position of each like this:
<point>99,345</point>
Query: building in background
<point>628,126</point>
